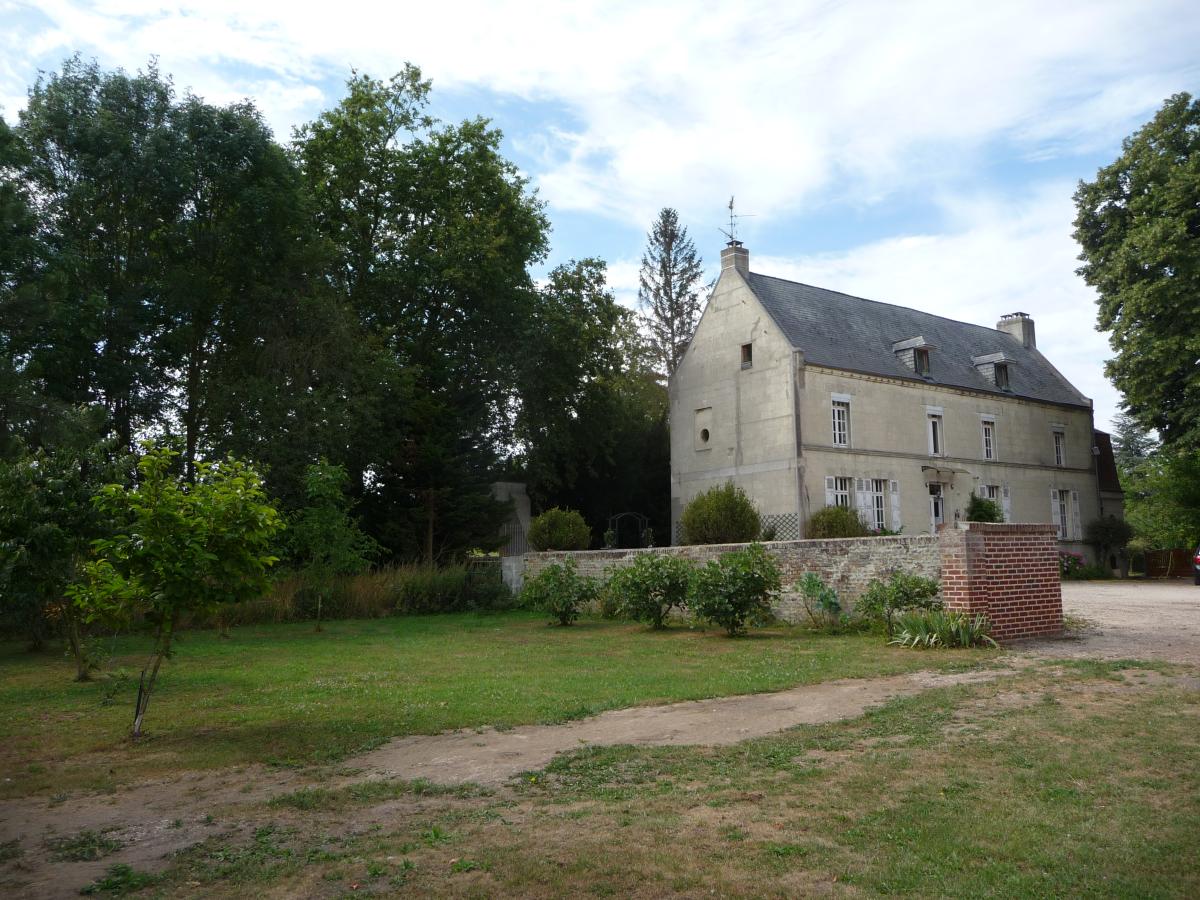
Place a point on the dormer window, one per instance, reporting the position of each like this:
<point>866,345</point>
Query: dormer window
<point>995,368</point>
<point>921,361</point>
<point>1001,371</point>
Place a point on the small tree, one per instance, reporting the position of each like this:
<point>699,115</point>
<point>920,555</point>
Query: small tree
<point>653,585</point>
<point>327,541</point>
<point>835,522</point>
<point>721,515</point>
<point>737,589</point>
<point>902,592</point>
<point>560,591</point>
<point>1108,535</point>
<point>981,509</point>
<point>559,529</point>
<point>182,548</point>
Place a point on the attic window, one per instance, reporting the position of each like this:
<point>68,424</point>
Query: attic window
<point>921,361</point>
<point>747,355</point>
<point>1002,376</point>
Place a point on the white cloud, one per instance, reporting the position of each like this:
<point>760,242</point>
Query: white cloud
<point>1001,257</point>
<point>684,103</point>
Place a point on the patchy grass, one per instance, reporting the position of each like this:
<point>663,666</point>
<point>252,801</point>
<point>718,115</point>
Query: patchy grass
<point>284,695</point>
<point>1059,781</point>
<point>120,880</point>
<point>86,845</point>
<point>368,792</point>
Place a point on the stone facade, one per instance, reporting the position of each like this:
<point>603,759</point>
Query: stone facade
<point>1007,572</point>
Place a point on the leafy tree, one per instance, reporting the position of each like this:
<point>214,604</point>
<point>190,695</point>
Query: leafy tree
<point>326,541</point>
<point>1108,535</point>
<point>737,590</point>
<point>721,515</point>
<point>47,525</point>
<point>670,288</point>
<point>1162,500</point>
<point>182,549</point>
<point>981,509</point>
<point>651,586</point>
<point>1138,224</point>
<point>559,529</point>
<point>561,591</point>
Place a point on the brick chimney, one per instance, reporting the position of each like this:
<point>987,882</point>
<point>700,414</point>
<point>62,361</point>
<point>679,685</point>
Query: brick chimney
<point>1020,326</point>
<point>735,256</point>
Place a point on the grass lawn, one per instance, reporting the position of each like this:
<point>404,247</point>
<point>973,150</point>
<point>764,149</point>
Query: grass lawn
<point>284,695</point>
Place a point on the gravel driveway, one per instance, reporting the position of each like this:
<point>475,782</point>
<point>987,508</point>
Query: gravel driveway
<point>1132,619</point>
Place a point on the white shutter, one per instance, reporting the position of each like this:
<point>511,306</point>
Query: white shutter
<point>894,488</point>
<point>1054,520</point>
<point>1007,503</point>
<point>1076,529</point>
<point>829,488</point>
<point>862,500</point>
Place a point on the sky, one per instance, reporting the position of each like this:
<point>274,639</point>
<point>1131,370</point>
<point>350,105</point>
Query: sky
<point>923,153</point>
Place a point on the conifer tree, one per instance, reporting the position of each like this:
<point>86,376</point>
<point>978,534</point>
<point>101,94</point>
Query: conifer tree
<point>670,287</point>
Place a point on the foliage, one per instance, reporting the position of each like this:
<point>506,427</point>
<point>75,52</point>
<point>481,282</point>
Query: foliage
<point>1132,444</point>
<point>929,628</point>
<point>651,586</point>
<point>560,591</point>
<point>1109,535</point>
<point>182,548</point>
<point>85,846</point>
<point>981,509</point>
<point>835,522</point>
<point>1137,225</point>
<point>1162,499</point>
<point>821,603</point>
<point>721,515</point>
<point>325,540</point>
<point>902,592</point>
<point>736,590</point>
<point>670,284</point>
<point>121,879</point>
<point>1073,567</point>
<point>559,529</point>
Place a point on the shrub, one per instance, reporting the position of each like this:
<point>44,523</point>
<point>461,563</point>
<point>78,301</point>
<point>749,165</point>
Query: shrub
<point>736,589</point>
<point>821,603</point>
<point>930,628</point>
<point>1109,535</point>
<point>651,587</point>
<point>721,515</point>
<point>981,509</point>
<point>835,522</point>
<point>901,593</point>
<point>559,529</point>
<point>560,591</point>
<point>1073,567</point>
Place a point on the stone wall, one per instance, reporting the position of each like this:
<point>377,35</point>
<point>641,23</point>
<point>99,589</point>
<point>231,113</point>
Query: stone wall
<point>1008,573</point>
<point>847,565</point>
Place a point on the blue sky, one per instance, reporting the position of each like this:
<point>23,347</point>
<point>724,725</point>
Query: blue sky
<point>921,153</point>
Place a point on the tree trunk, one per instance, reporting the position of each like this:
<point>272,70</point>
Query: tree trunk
<point>146,685</point>
<point>83,665</point>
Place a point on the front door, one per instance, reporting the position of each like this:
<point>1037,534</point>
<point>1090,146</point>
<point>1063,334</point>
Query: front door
<point>937,507</point>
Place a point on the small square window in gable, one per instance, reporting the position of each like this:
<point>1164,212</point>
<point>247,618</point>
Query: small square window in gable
<point>747,355</point>
<point>704,438</point>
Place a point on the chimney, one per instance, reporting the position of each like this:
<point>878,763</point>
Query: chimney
<point>735,256</point>
<point>1020,326</point>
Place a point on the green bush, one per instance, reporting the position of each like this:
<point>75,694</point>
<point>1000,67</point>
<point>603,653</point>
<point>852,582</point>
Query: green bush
<point>821,603</point>
<point>653,585</point>
<point>560,591</point>
<point>721,515</point>
<point>928,628</point>
<point>981,509</point>
<point>559,529</point>
<point>901,593</point>
<point>835,522</point>
<point>737,589</point>
<point>1109,535</point>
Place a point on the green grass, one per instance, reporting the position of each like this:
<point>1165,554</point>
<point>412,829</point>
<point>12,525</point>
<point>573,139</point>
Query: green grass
<point>86,845</point>
<point>284,695</point>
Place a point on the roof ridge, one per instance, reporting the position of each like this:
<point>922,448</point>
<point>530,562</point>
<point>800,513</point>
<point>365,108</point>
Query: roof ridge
<point>877,302</point>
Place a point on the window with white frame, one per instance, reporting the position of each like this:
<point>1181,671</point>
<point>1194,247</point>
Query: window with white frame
<point>937,446</point>
<point>1060,448</point>
<point>989,438</point>
<point>841,421</point>
<point>841,491</point>
<point>879,487</point>
<point>1061,510</point>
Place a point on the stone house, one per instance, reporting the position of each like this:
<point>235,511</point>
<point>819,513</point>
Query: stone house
<point>807,397</point>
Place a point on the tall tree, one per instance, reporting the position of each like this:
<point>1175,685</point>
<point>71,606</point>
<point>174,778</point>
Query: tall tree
<point>1138,223</point>
<point>670,289</point>
<point>1132,443</point>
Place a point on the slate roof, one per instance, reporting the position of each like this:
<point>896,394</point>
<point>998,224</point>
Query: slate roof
<point>845,332</point>
<point>1106,463</point>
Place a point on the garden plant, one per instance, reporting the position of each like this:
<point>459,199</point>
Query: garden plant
<point>737,590</point>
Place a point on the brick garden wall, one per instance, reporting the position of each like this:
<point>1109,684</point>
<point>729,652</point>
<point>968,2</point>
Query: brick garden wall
<point>1008,573</point>
<point>847,565</point>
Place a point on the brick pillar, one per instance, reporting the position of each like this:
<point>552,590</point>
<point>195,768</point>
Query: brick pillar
<point>1008,573</point>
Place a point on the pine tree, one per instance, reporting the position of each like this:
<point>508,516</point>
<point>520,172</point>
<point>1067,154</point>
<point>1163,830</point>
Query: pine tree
<point>670,289</point>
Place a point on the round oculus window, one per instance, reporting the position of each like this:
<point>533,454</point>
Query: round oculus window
<point>704,435</point>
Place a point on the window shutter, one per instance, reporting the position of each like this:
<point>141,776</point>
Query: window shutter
<point>1054,520</point>
<point>894,489</point>
<point>829,498</point>
<point>1076,529</point>
<point>1007,503</point>
<point>862,500</point>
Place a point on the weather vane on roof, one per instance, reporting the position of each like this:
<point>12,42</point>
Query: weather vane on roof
<point>731,234</point>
